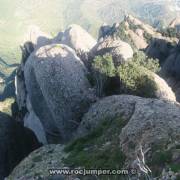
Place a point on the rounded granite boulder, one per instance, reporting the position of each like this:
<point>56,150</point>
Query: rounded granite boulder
<point>58,89</point>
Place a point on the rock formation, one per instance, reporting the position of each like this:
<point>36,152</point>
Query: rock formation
<point>171,66</point>
<point>149,123</point>
<point>58,89</point>
<point>145,127</point>
<point>76,38</point>
<point>120,51</point>
<point>159,48</point>
<point>58,103</point>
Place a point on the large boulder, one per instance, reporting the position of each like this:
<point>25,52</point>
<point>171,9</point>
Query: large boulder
<point>58,90</point>
<point>151,128</point>
<point>42,164</point>
<point>16,142</point>
<point>120,50</point>
<point>25,111</point>
<point>39,162</point>
<point>77,38</point>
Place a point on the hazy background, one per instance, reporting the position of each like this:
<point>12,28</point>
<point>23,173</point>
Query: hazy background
<point>53,16</point>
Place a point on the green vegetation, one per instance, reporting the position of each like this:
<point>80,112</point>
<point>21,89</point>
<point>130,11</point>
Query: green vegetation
<point>136,80</point>
<point>170,32</point>
<point>103,69</point>
<point>140,59</point>
<point>134,76</point>
<point>162,158</point>
<point>122,34</point>
<point>100,149</point>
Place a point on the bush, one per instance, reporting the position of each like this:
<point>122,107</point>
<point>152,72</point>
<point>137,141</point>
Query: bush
<point>103,69</point>
<point>133,77</point>
<point>170,32</point>
<point>136,80</point>
<point>122,34</point>
<point>141,59</point>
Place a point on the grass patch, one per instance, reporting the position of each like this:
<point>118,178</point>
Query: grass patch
<point>100,149</point>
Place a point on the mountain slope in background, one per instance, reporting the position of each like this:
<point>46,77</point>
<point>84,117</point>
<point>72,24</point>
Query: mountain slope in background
<point>56,15</point>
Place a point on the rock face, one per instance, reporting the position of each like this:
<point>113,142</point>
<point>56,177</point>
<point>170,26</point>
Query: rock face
<point>132,20</point>
<point>16,143</point>
<point>175,23</point>
<point>32,122</point>
<point>58,90</point>
<point>37,164</point>
<point>171,66</point>
<point>150,123</point>
<point>120,51</point>
<point>28,115</point>
<point>163,91</point>
<point>77,38</point>
<point>175,85</point>
<point>159,48</point>
<point>138,39</point>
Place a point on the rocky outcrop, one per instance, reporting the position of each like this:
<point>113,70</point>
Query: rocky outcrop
<point>37,164</point>
<point>150,124</point>
<point>58,90</point>
<point>16,143</point>
<point>163,91</point>
<point>175,23</point>
<point>26,112</point>
<point>159,48</point>
<point>137,39</point>
<point>37,37</point>
<point>32,122</point>
<point>146,27</point>
<point>171,66</point>
<point>175,85</point>
<point>120,51</point>
<point>77,38</point>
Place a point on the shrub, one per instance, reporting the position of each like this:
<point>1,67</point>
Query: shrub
<point>136,80</point>
<point>148,37</point>
<point>141,59</point>
<point>170,32</point>
<point>135,76</point>
<point>122,34</point>
<point>103,69</point>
